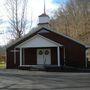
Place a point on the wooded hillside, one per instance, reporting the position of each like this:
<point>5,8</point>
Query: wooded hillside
<point>73,19</point>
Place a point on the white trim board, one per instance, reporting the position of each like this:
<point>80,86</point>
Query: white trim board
<point>36,65</point>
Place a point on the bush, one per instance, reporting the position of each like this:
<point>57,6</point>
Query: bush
<point>88,64</point>
<point>2,58</point>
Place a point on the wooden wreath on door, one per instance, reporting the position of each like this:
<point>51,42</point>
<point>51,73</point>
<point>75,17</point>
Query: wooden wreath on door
<point>46,52</point>
<point>40,52</point>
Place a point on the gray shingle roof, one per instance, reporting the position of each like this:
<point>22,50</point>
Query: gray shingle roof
<point>48,28</point>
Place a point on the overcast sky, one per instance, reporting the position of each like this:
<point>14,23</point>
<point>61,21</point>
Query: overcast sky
<point>34,6</point>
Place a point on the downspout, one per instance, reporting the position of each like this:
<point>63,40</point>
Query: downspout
<point>14,55</point>
<point>64,56</point>
<point>86,58</point>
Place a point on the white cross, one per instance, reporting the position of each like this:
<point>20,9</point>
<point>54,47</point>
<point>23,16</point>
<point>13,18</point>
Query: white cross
<point>14,50</point>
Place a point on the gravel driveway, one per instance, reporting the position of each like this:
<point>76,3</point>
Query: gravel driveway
<point>41,80</point>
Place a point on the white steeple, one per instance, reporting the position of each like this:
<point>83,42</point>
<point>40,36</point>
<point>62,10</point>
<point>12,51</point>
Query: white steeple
<point>44,18</point>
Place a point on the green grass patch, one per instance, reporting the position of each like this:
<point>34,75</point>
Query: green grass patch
<point>2,65</point>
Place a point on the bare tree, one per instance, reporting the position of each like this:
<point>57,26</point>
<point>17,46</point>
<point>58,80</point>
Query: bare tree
<point>61,21</point>
<point>17,11</point>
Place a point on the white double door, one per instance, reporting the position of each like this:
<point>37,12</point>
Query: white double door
<point>43,56</point>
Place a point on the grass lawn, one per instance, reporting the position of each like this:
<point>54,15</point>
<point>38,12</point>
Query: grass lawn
<point>2,65</point>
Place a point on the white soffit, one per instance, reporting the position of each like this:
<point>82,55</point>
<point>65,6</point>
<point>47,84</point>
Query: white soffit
<point>38,41</point>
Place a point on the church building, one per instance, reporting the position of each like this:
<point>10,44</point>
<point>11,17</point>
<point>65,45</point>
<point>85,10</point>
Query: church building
<point>42,46</point>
